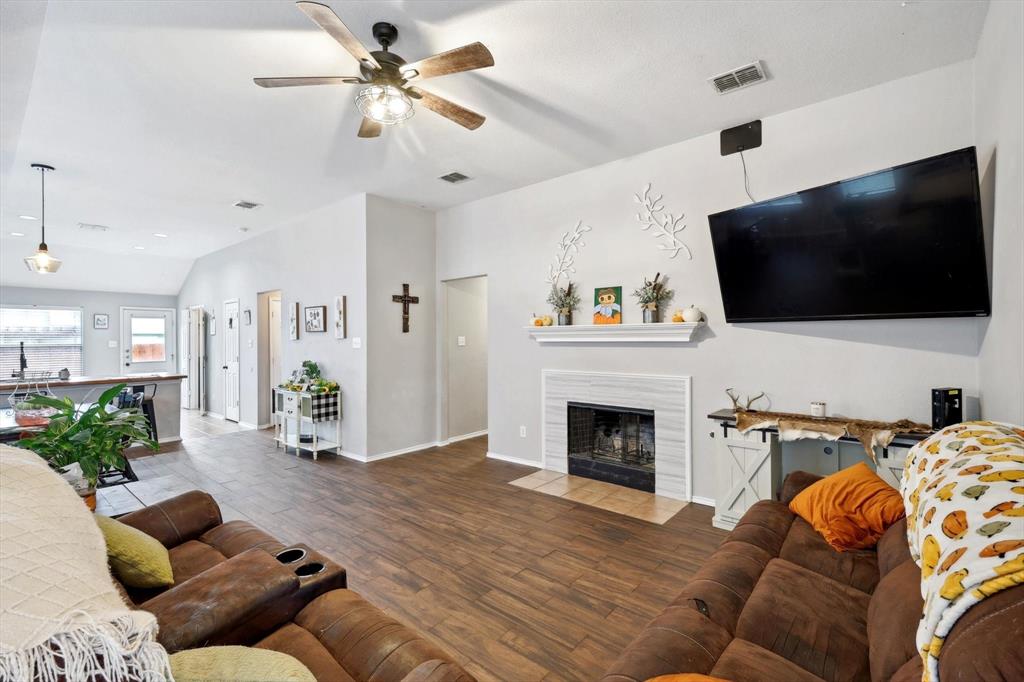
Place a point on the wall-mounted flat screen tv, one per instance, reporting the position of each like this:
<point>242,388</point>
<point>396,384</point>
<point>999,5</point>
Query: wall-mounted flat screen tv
<point>902,242</point>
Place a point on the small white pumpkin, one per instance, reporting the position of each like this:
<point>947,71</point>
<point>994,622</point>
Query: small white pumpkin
<point>692,314</point>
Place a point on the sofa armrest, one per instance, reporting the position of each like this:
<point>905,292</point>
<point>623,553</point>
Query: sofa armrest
<point>794,483</point>
<point>178,519</point>
<point>207,607</point>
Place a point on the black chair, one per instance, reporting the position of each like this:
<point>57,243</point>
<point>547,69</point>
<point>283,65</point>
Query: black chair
<point>109,476</point>
<point>148,392</point>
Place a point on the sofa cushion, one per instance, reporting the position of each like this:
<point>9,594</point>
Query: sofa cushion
<point>893,615</point>
<point>764,525</point>
<point>969,653</point>
<point>805,547</point>
<point>745,662</point>
<point>235,537</point>
<point>298,642</point>
<point>850,508</point>
<point>721,587</point>
<point>363,639</point>
<point>893,547</point>
<point>816,622</point>
<point>137,559</point>
<point>237,664</point>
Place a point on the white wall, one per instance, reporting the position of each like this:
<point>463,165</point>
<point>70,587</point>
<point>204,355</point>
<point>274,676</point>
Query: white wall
<point>311,260</point>
<point>100,359</point>
<point>881,369</point>
<point>999,73</point>
<point>401,367</point>
<point>465,307</point>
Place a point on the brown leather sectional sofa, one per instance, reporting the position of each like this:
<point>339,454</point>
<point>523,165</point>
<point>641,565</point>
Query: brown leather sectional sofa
<point>775,603</point>
<point>234,584</point>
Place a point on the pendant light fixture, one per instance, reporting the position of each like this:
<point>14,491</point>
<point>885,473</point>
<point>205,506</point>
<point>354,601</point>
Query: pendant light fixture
<point>41,261</point>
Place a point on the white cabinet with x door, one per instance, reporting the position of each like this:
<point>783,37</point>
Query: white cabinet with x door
<point>748,469</point>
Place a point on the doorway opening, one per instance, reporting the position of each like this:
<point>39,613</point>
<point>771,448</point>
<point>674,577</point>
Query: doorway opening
<point>193,358</point>
<point>232,376</point>
<point>464,357</point>
<point>268,351</point>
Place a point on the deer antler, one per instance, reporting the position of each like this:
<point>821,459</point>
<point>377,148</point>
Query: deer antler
<point>735,399</point>
<point>750,401</point>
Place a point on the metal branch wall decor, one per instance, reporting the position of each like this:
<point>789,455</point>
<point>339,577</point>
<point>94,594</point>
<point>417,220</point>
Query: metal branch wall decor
<point>666,226</point>
<point>568,248</point>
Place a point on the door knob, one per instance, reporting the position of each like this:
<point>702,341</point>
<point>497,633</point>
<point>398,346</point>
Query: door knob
<point>224,367</point>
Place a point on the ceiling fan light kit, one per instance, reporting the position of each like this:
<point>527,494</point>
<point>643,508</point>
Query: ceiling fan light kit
<point>388,100</point>
<point>41,261</point>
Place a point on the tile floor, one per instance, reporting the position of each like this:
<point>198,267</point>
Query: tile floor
<point>615,498</point>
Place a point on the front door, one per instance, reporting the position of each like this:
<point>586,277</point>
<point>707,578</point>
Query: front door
<point>148,340</point>
<point>231,376</point>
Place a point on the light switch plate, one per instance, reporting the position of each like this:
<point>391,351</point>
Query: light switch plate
<point>111,344</point>
<point>462,340</point>
<point>357,342</point>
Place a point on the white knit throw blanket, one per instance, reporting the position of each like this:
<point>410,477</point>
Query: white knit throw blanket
<point>60,615</point>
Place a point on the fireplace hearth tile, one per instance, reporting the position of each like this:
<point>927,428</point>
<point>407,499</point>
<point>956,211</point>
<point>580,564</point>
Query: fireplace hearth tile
<point>607,496</point>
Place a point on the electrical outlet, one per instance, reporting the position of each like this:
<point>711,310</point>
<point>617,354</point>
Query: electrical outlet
<point>522,431</point>
<point>462,340</point>
<point>111,344</point>
<point>357,342</point>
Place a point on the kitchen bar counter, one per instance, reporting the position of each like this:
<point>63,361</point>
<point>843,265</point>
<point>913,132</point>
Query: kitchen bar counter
<point>166,402</point>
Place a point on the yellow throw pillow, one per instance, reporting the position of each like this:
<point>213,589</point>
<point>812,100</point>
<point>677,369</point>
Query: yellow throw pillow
<point>137,559</point>
<point>237,664</point>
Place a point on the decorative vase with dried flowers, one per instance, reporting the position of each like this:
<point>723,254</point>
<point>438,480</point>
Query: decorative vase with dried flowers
<point>564,301</point>
<point>93,438</point>
<point>651,295</point>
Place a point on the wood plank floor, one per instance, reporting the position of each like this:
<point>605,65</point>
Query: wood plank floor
<point>518,584</point>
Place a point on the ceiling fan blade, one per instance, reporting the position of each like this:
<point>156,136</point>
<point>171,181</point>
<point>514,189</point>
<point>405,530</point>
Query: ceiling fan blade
<point>326,19</point>
<point>370,128</point>
<point>465,58</point>
<point>450,110</point>
<point>290,82</point>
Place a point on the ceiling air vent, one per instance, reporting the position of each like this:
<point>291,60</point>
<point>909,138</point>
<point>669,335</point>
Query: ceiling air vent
<point>92,227</point>
<point>454,177</point>
<point>247,205</point>
<point>748,74</point>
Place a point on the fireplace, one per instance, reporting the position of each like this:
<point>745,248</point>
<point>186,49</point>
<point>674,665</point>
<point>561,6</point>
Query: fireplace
<point>613,444</point>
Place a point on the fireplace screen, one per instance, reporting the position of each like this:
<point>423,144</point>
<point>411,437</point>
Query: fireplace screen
<point>614,444</point>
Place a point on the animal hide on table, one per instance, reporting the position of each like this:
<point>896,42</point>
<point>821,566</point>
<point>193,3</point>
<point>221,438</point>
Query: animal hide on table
<point>796,426</point>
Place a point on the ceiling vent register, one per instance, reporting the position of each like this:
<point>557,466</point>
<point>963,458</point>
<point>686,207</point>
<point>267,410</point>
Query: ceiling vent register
<point>742,77</point>
<point>454,177</point>
<point>247,205</point>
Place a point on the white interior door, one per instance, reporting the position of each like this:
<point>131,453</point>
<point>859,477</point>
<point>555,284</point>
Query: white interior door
<point>148,340</point>
<point>231,375</point>
<point>193,358</point>
<point>274,338</point>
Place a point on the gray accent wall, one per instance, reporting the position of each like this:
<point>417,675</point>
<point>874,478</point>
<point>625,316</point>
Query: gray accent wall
<point>999,74</point>
<point>100,358</point>
<point>872,369</point>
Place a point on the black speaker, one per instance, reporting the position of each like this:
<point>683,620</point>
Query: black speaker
<point>947,407</point>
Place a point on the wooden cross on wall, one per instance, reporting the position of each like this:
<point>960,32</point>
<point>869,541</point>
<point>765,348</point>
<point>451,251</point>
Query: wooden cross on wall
<point>405,299</point>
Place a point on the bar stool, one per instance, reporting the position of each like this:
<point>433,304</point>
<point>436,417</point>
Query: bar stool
<point>148,392</point>
<point>109,476</point>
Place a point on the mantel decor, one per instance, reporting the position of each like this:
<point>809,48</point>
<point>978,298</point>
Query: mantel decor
<point>663,333</point>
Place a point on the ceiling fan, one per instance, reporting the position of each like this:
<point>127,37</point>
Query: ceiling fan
<point>387,98</point>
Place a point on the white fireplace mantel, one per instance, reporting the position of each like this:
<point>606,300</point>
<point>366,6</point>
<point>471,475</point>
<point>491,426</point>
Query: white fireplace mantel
<point>660,332</point>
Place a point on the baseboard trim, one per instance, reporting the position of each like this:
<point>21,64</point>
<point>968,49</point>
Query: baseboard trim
<point>515,460</point>
<point>215,415</point>
<point>707,501</point>
<point>247,425</point>
<point>465,436</point>
<point>264,426</point>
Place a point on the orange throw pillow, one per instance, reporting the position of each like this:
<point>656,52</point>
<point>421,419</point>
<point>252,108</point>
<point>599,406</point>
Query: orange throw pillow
<point>851,508</point>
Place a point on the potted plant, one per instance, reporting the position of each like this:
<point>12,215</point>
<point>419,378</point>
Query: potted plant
<point>651,295</point>
<point>564,301</point>
<point>94,439</point>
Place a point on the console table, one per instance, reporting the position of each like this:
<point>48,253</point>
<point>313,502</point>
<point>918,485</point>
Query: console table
<point>304,408</point>
<point>749,466</point>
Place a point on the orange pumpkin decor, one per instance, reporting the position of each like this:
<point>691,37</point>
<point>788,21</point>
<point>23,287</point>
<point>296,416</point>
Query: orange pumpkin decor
<point>955,524</point>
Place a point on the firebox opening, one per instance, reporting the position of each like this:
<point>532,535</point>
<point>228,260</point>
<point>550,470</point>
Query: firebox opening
<point>612,444</point>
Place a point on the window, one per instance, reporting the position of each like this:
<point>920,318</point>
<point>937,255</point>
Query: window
<point>52,338</point>
<point>149,339</point>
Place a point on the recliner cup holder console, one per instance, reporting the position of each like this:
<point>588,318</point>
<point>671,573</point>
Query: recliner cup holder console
<point>290,556</point>
<point>309,569</point>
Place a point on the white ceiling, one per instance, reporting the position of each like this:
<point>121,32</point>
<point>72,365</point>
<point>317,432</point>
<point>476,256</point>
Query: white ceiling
<point>148,110</point>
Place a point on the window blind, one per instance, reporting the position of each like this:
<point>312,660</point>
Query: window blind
<point>52,337</point>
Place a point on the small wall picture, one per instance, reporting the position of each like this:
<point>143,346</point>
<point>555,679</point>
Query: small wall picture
<point>316,318</point>
<point>293,323</point>
<point>608,305</point>
<point>101,321</point>
<point>340,317</point>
